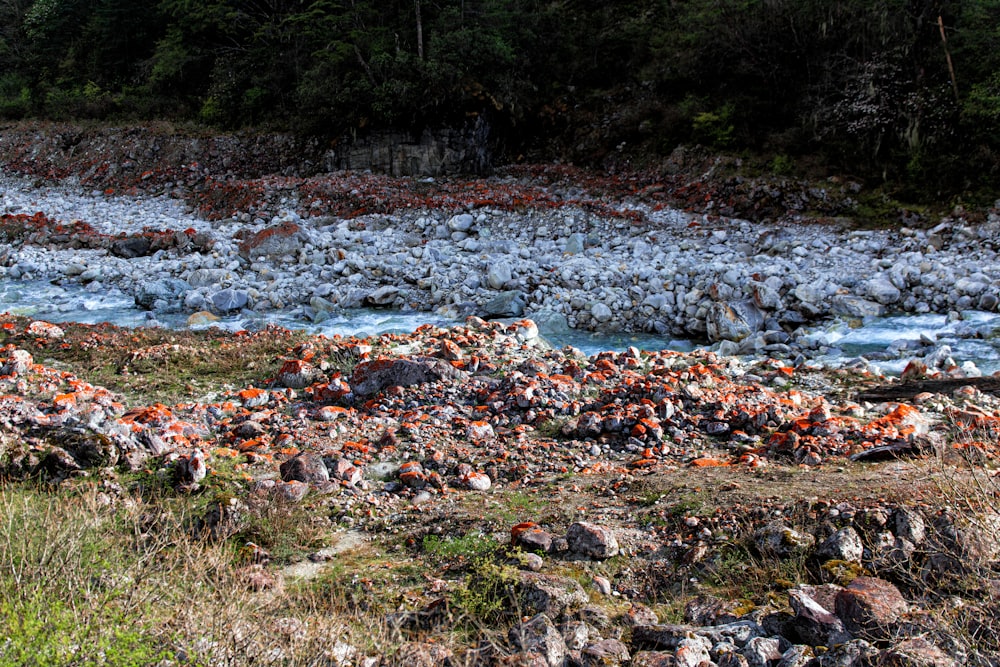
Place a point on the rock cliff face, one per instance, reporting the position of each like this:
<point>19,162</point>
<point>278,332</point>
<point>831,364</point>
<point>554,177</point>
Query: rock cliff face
<point>433,153</point>
<point>96,152</point>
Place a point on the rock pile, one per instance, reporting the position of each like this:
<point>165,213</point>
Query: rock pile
<point>376,428</point>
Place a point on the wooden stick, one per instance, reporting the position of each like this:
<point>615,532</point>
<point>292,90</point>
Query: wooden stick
<point>947,55</point>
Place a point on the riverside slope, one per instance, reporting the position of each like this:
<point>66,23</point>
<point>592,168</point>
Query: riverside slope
<point>662,480</point>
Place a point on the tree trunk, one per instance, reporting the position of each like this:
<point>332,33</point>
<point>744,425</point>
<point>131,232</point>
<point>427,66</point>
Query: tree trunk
<point>947,55</point>
<point>420,30</point>
<point>907,390</point>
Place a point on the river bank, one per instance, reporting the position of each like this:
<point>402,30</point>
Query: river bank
<point>467,495</point>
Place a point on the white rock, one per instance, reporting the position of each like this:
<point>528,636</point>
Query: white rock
<point>601,312</point>
<point>461,223</point>
<point>498,275</point>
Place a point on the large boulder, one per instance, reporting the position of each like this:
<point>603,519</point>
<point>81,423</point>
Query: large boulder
<point>855,306</point>
<point>206,277</point>
<point>780,540</point>
<point>308,468</point>
<point>229,299</point>
<point>505,304</point>
<point>870,606</point>
<point>845,544</point>
<point>281,239</point>
<point>814,624</point>
<point>733,321</point>
<point>150,294</point>
<point>591,540</point>
<point>371,377</point>
<point>883,291</point>
<point>19,362</point>
<point>539,635</point>
<point>550,594</point>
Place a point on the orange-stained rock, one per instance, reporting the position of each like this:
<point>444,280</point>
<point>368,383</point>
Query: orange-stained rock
<point>871,606</point>
<point>45,330</point>
<point>449,351</point>
<point>252,397</point>
<point>479,431</point>
<point>708,462</point>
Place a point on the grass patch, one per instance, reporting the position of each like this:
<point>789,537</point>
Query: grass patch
<point>467,548</point>
<point>876,209</point>
<point>739,573</point>
<point>488,595</point>
<point>91,577</point>
<point>69,593</point>
<point>160,365</point>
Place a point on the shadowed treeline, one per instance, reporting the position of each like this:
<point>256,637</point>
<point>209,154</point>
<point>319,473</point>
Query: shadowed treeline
<point>892,90</point>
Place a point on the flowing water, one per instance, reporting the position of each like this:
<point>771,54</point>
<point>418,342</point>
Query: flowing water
<point>888,342</point>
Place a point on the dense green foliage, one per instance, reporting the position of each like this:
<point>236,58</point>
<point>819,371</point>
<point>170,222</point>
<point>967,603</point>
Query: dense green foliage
<point>904,90</point>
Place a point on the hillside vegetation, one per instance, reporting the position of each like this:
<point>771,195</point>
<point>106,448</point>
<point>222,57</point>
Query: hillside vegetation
<point>899,92</point>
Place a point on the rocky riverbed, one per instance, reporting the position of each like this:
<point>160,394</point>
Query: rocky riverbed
<point>642,507</point>
<point>565,261</point>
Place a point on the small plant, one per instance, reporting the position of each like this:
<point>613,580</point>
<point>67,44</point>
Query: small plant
<point>552,428</point>
<point>714,128</point>
<point>468,548</point>
<point>782,165</point>
<point>285,530</point>
<point>519,506</point>
<point>488,594</point>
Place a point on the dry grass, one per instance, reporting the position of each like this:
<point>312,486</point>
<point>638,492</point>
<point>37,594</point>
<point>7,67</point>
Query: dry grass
<point>91,582</point>
<point>94,574</point>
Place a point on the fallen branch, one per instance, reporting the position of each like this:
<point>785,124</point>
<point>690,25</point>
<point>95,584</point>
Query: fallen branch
<point>892,392</point>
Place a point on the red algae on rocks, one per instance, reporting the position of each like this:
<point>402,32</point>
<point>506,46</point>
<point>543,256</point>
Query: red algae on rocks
<point>503,407</point>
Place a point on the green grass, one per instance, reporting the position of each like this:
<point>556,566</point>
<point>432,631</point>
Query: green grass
<point>85,581</point>
<point>68,591</point>
<point>160,365</point>
<point>44,630</point>
<point>468,547</point>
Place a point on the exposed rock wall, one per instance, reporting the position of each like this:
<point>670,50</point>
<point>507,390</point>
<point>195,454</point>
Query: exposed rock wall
<point>433,153</point>
<point>96,152</point>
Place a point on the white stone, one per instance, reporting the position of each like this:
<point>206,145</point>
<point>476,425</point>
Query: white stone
<point>601,312</point>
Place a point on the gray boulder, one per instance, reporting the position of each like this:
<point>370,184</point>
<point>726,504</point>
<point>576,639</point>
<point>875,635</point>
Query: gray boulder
<point>149,292</point>
<point>308,468</point>
<point>733,321</point>
<point>550,594</point>
<point>372,377</point>
<point>591,540</point>
<point>206,277</point>
<point>813,623</point>
<point>540,636</point>
<point>855,306</point>
<point>845,544</point>
<point>228,300</point>
<point>781,540</point>
<point>883,291</point>
<point>506,304</point>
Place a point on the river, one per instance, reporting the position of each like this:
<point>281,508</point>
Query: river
<point>888,343</point>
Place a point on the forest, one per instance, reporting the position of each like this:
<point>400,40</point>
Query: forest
<point>893,91</point>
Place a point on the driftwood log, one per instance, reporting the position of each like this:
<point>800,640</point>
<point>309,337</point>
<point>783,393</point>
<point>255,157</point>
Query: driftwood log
<point>905,390</point>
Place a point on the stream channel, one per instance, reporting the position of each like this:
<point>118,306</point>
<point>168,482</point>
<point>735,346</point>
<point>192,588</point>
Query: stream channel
<point>887,343</point>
